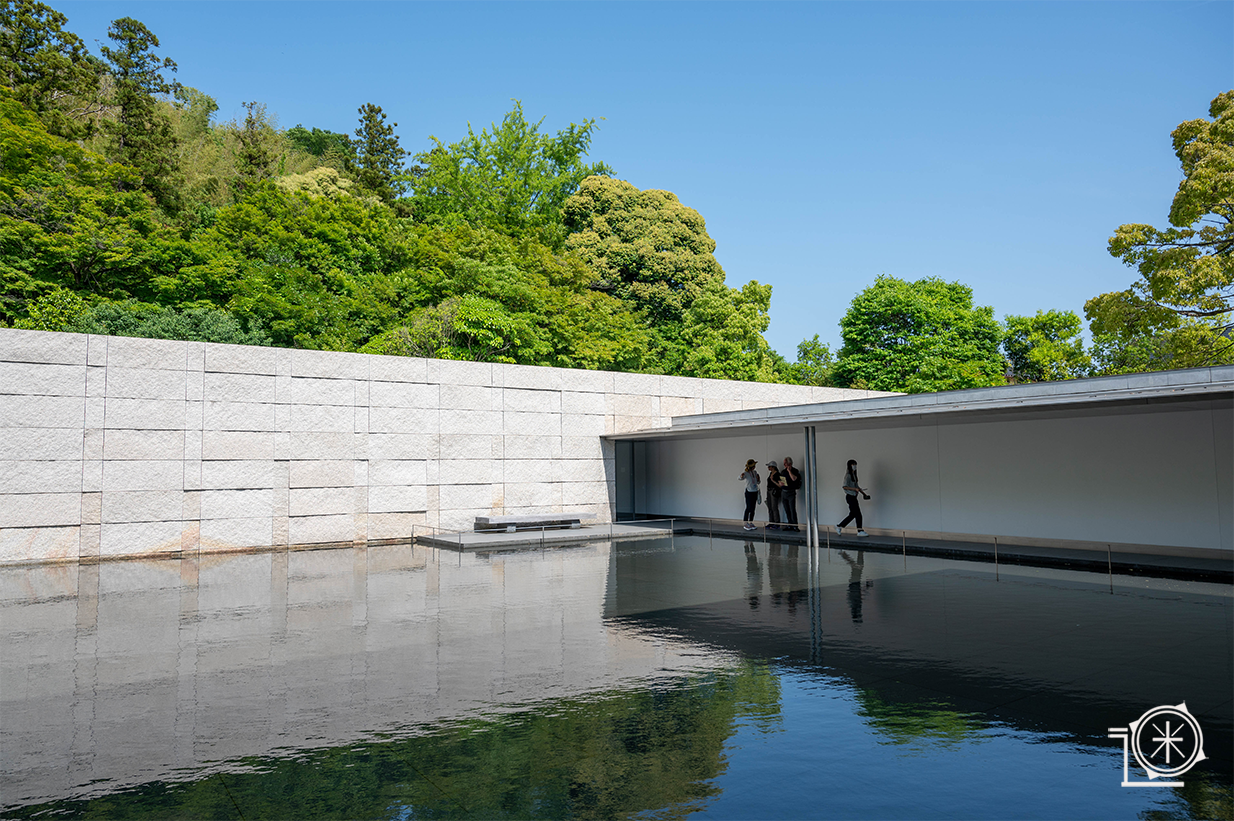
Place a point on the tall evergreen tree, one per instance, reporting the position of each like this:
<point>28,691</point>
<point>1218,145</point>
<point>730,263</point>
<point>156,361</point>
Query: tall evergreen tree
<point>140,136</point>
<point>379,157</point>
<point>256,154</point>
<point>47,68</point>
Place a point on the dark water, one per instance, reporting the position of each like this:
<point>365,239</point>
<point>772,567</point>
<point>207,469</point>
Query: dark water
<point>648,679</point>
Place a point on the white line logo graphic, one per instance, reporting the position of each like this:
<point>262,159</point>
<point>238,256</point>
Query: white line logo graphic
<point>1166,742</point>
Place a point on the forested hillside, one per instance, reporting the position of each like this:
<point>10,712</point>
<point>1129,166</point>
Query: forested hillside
<point>127,207</point>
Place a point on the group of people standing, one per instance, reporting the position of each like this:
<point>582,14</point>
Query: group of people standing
<point>782,487</point>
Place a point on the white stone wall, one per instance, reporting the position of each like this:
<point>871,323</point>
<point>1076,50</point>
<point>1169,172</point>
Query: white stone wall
<point>115,446</point>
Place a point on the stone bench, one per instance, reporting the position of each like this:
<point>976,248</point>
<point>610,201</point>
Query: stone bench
<point>545,521</point>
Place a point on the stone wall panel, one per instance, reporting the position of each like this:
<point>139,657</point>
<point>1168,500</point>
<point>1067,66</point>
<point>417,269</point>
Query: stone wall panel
<point>128,446</point>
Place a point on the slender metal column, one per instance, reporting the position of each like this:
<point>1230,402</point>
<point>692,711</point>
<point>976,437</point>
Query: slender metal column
<point>811,533</point>
<point>813,460</point>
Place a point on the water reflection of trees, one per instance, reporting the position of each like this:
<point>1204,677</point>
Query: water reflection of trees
<point>918,726</point>
<point>1203,795</point>
<point>622,752</point>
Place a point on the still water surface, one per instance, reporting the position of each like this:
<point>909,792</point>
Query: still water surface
<point>651,679</point>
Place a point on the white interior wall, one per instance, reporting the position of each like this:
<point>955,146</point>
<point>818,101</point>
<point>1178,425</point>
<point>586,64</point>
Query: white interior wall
<point>1158,478</point>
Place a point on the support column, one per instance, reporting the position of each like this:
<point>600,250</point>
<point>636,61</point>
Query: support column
<point>811,499</point>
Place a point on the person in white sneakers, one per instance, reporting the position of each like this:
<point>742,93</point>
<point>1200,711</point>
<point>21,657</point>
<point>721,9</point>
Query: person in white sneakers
<point>751,478</point>
<point>851,489</point>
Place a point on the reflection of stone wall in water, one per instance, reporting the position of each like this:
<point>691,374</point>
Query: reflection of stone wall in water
<point>122,673</point>
<point>117,446</point>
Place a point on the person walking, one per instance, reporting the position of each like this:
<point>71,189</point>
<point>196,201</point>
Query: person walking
<point>775,487</point>
<point>789,497</point>
<point>751,478</point>
<point>851,489</point>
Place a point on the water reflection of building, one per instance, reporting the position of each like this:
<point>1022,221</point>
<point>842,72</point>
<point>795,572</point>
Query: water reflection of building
<point>122,673</point>
<point>1074,653</point>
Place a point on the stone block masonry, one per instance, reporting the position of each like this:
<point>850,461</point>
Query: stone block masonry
<point>114,446</point>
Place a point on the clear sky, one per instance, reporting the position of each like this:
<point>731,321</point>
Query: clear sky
<point>994,144</point>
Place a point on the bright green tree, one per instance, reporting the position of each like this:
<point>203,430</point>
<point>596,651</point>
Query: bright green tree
<point>69,218</point>
<point>654,254</point>
<point>140,135</point>
<point>481,295</point>
<point>256,155</point>
<point>1132,334</point>
<point>918,337</point>
<point>322,272</point>
<point>814,365</point>
<point>378,155</point>
<point>47,68</point>
<point>1189,267</point>
<point>1046,347</point>
<point>724,330</point>
<point>509,177</point>
<point>332,148</point>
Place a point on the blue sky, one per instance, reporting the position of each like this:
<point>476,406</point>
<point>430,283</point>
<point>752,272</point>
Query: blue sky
<point>995,144</point>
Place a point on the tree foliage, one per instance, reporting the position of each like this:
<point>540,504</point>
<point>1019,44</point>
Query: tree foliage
<point>69,218</point>
<point>918,337</point>
<point>1132,334</point>
<point>815,363</point>
<point>141,136</point>
<point>47,68</point>
<point>509,177</point>
<point>654,254</point>
<point>1189,267</point>
<point>378,155</point>
<point>1046,347</point>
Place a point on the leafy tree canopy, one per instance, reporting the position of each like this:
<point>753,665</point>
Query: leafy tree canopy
<point>723,331</point>
<point>1189,268</point>
<point>47,68</point>
<point>509,177</point>
<point>141,136</point>
<point>378,157</point>
<point>815,363</point>
<point>69,218</point>
<point>1046,347</point>
<point>918,337</point>
<point>320,143</point>
<point>1132,334</point>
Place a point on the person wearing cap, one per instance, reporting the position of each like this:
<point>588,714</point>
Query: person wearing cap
<point>775,486</point>
<point>751,478</point>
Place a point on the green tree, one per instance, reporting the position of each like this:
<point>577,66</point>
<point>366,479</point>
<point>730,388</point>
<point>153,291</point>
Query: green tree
<point>918,337</point>
<point>1046,347</point>
<point>484,296</point>
<point>69,218</point>
<point>509,177</point>
<point>329,146</point>
<point>256,152</point>
<point>378,155</point>
<point>47,68</point>
<point>724,331</point>
<point>321,272</point>
<point>1189,268</point>
<point>1132,334</point>
<point>654,254</point>
<point>140,135</point>
<point>814,365</point>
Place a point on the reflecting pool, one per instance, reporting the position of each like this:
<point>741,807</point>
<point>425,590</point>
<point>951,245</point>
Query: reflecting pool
<point>651,679</point>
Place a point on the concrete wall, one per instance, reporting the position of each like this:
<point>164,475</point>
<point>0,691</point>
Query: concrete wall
<point>115,446</point>
<point>1152,478</point>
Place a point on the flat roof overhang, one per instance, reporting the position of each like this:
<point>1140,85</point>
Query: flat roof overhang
<point>1131,393</point>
